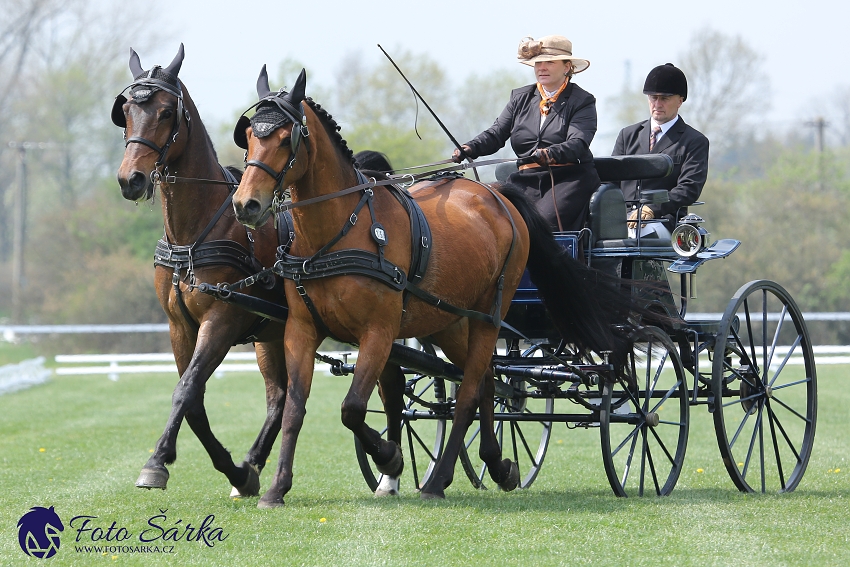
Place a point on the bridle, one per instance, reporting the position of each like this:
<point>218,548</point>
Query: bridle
<point>295,116</point>
<point>155,80</point>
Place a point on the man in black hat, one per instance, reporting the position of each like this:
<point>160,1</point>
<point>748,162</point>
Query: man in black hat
<point>665,133</point>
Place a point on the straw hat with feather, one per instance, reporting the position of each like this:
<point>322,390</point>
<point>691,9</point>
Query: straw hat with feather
<point>549,48</point>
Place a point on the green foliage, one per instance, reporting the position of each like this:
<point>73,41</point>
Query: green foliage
<point>791,223</point>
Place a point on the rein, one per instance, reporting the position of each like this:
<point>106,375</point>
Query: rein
<point>361,262</point>
<point>409,177</point>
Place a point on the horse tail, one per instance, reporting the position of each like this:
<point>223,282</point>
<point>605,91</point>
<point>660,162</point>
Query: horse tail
<point>584,303</point>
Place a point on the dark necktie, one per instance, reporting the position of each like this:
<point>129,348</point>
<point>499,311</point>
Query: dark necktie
<point>655,131</point>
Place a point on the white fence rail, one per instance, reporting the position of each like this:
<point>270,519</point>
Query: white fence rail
<point>151,363</point>
<point>115,364</point>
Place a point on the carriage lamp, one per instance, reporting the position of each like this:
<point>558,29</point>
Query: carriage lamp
<point>689,238</point>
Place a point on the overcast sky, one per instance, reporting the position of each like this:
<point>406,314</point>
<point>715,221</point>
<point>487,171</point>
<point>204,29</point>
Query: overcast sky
<point>804,42</point>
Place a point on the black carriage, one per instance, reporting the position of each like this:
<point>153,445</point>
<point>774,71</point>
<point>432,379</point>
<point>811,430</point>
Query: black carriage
<point>753,368</point>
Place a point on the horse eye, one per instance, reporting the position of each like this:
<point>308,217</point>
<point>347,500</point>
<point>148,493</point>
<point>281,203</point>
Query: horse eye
<point>286,142</point>
<point>166,114</point>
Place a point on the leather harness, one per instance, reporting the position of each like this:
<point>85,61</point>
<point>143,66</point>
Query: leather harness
<point>370,264</point>
<point>212,253</point>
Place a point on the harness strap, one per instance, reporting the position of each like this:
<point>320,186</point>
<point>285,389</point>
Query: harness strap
<point>212,253</point>
<point>311,307</point>
<point>233,186</point>
<point>175,281</point>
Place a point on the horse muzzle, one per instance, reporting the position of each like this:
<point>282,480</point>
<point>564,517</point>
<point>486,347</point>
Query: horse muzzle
<point>251,213</point>
<point>135,187</point>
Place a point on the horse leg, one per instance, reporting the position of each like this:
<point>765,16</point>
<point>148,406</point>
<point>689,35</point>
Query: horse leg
<point>391,389</point>
<point>300,345</point>
<point>188,401</point>
<point>504,472</point>
<point>372,358</point>
<point>273,368</point>
<point>471,396</point>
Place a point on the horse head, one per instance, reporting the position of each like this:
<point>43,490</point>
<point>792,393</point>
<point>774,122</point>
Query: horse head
<point>151,118</point>
<point>273,139</point>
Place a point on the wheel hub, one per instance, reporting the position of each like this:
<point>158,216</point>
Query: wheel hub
<point>652,419</point>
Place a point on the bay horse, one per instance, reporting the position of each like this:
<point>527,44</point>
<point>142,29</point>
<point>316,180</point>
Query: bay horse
<point>480,242</point>
<point>203,242</point>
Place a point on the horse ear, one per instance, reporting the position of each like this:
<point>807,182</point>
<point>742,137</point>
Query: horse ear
<point>135,64</point>
<point>263,89</point>
<point>174,67</point>
<point>299,90</point>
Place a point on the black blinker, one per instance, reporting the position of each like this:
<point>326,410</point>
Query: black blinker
<point>118,117</point>
<point>239,136</point>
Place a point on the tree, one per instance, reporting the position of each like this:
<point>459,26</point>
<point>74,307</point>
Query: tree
<point>791,230</point>
<point>378,111</point>
<point>727,89</point>
<point>57,83</point>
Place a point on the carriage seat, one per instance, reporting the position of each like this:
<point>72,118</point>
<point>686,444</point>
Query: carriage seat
<point>608,221</point>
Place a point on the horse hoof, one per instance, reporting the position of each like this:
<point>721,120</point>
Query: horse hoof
<point>512,480</point>
<point>152,478</point>
<point>394,466</point>
<point>387,487</point>
<point>432,495</point>
<point>264,504</point>
<point>252,483</point>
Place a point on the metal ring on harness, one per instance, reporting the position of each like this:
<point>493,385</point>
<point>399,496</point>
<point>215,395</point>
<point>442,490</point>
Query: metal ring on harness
<point>223,290</point>
<point>412,180</point>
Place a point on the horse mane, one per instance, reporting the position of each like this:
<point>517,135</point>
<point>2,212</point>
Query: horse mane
<point>331,127</point>
<point>189,103</point>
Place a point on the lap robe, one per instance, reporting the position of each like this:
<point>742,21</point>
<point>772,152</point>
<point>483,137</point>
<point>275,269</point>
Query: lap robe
<point>574,185</point>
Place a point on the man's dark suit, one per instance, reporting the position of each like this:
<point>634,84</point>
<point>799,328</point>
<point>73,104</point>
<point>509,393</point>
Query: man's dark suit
<point>689,150</point>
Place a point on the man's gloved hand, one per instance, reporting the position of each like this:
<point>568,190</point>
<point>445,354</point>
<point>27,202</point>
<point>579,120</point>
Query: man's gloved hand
<point>645,213</point>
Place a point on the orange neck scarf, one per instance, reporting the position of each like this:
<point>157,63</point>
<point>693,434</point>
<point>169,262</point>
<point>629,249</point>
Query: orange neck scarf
<point>547,102</point>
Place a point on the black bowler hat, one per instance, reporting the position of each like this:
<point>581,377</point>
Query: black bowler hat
<point>666,80</point>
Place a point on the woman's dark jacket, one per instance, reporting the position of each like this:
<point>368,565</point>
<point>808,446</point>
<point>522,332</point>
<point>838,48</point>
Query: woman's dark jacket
<point>567,132</point>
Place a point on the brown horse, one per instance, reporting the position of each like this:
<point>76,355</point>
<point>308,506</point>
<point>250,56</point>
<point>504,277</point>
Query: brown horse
<point>203,242</point>
<point>480,242</point>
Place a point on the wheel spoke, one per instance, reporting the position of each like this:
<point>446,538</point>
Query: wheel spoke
<point>747,415</point>
<point>412,457</point>
<point>652,471</point>
<point>786,359</point>
<point>752,358</point>
<point>756,429</point>
<point>628,466</point>
<point>626,440</point>
<point>666,396</point>
<point>792,410</point>
<point>784,434</point>
<point>775,340</point>
<point>532,457</point>
<point>742,377</point>
<point>770,420</point>
<point>663,446</point>
<point>643,450</point>
<point>756,396</point>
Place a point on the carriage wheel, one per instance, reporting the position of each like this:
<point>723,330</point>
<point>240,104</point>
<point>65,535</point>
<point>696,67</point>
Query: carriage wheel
<point>523,440</point>
<point>644,417</point>
<point>764,389</point>
<point>423,428</point>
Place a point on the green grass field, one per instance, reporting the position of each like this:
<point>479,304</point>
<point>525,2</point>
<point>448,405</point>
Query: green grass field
<point>77,443</point>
